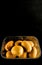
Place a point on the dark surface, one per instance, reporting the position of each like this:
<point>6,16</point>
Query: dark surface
<point>36,31</point>
<point>32,25</point>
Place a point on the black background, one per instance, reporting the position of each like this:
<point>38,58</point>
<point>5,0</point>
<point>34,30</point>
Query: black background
<point>27,20</point>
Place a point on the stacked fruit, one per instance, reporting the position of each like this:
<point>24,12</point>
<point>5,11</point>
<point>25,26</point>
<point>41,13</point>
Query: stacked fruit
<point>21,49</point>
